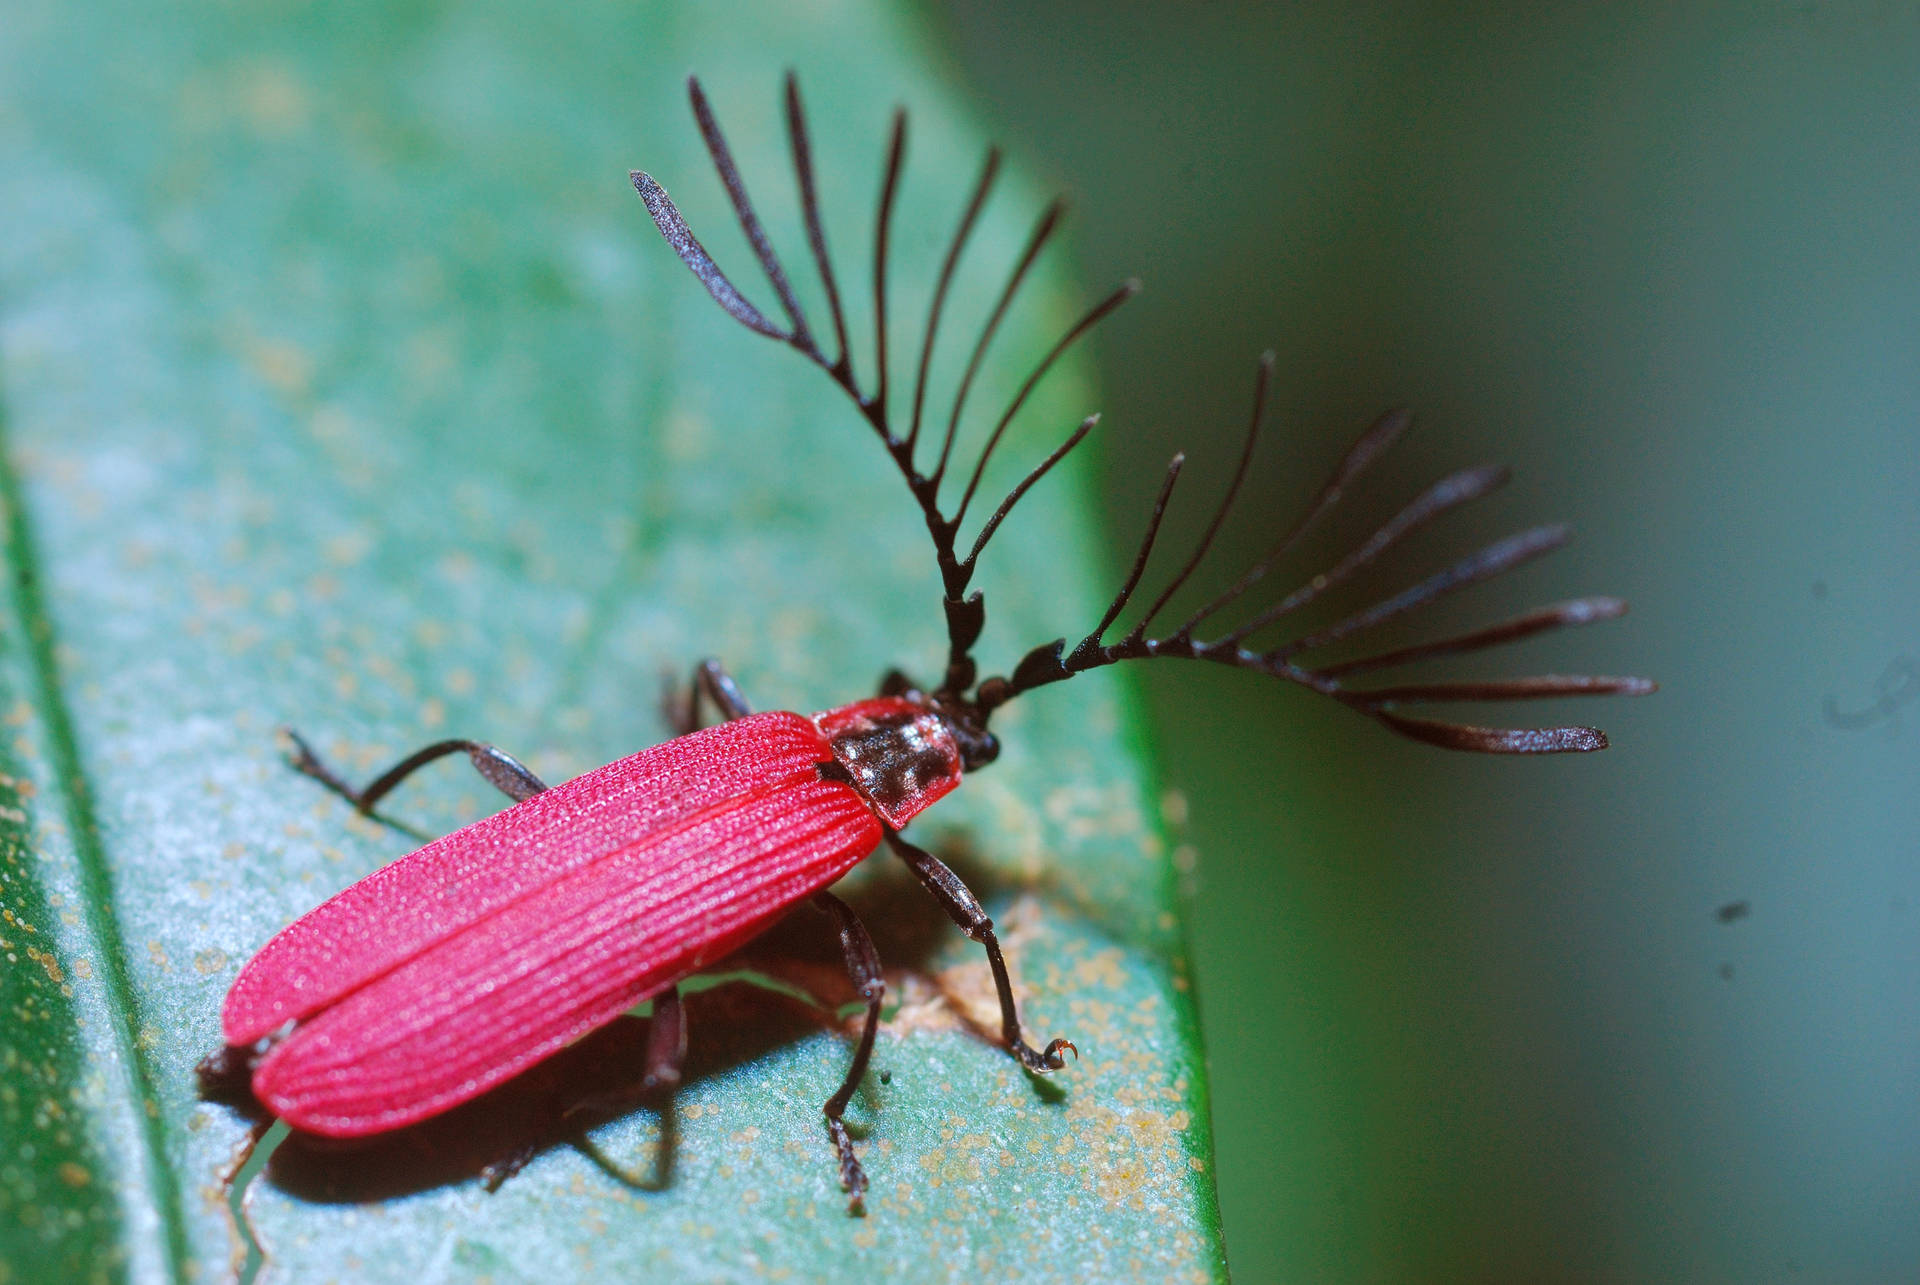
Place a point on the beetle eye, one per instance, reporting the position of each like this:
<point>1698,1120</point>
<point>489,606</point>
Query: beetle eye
<point>983,750</point>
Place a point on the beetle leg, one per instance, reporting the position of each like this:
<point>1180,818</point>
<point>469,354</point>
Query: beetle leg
<point>863,965</point>
<point>966,911</point>
<point>503,771</point>
<point>666,1042</point>
<point>710,679</point>
<point>494,1175</point>
<point>666,1050</point>
<point>660,1073</point>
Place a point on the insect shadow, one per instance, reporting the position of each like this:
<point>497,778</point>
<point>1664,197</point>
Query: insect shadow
<point>730,1025</point>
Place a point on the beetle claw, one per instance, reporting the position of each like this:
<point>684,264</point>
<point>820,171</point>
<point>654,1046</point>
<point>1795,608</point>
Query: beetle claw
<point>1052,1053</point>
<point>1041,1061</point>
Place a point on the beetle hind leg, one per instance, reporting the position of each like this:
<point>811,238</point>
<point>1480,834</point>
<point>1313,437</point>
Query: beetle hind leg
<point>863,966</point>
<point>503,771</point>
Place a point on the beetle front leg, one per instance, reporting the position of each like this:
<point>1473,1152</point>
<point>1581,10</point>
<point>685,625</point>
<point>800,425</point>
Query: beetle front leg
<point>863,966</point>
<point>503,771</point>
<point>966,911</point>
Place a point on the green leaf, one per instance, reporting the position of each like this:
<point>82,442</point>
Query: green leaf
<point>347,386</point>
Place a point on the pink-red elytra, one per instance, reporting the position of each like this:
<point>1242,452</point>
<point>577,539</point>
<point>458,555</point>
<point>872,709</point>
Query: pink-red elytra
<point>458,967</point>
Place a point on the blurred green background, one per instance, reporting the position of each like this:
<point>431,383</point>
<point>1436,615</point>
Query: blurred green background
<point>1475,1019</point>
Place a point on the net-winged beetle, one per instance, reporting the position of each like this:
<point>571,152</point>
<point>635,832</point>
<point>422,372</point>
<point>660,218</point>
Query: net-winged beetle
<point>465,963</point>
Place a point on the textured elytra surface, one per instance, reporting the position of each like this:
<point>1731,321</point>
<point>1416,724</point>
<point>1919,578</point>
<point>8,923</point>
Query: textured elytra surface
<point>467,1009</point>
<point>347,387</point>
<point>463,879</point>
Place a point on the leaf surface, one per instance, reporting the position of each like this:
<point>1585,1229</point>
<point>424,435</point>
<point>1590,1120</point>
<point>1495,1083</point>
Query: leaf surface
<point>347,386</point>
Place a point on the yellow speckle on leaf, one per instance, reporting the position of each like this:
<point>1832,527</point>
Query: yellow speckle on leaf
<point>45,959</point>
<point>349,547</point>
<point>274,100</point>
<point>1100,969</point>
<point>284,365</point>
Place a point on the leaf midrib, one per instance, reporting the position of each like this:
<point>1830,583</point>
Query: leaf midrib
<point>100,924</point>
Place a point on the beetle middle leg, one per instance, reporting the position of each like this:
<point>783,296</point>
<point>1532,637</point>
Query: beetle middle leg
<point>711,680</point>
<point>863,965</point>
<point>666,1051</point>
<point>665,1054</point>
<point>966,911</point>
<point>503,771</point>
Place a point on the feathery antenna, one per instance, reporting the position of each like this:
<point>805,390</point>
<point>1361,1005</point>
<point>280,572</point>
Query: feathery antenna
<point>1050,663</point>
<point>966,613</point>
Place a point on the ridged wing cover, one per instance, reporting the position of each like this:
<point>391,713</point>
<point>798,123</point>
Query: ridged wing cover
<point>470,876</point>
<point>528,979</point>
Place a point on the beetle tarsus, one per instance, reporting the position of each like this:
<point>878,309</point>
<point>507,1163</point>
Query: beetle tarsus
<point>853,1179</point>
<point>495,1175</point>
<point>863,967</point>
<point>306,761</point>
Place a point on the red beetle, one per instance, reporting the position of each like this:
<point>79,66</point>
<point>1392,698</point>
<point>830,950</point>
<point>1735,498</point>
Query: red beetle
<point>487,951</point>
